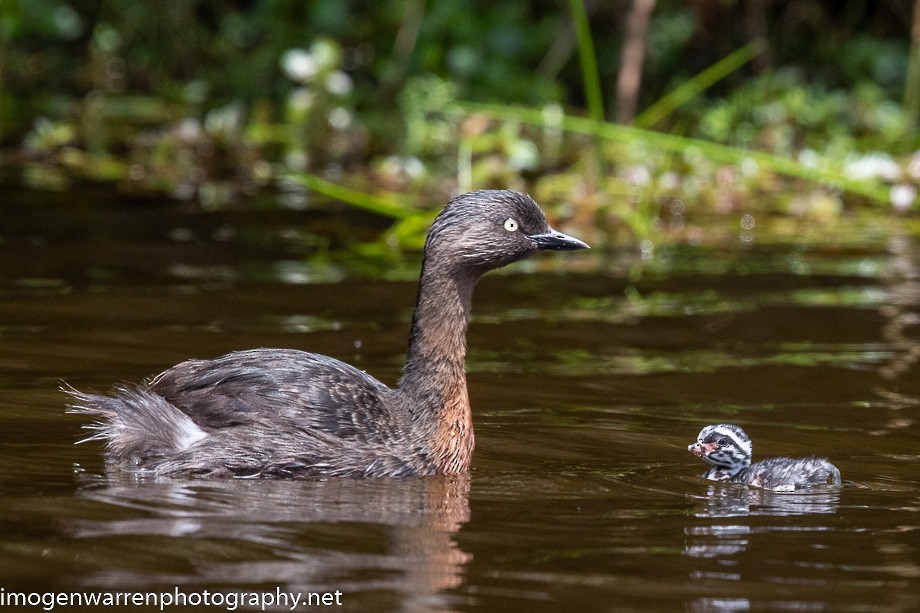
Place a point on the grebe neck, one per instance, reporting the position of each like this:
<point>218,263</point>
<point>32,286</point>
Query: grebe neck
<point>434,378</point>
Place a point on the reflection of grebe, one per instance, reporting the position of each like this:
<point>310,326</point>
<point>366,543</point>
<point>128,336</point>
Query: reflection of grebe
<point>285,413</point>
<point>280,533</point>
<point>728,449</point>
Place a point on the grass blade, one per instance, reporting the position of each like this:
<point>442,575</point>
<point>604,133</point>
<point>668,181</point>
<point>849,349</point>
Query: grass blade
<point>388,207</point>
<point>691,88</point>
<point>589,74</point>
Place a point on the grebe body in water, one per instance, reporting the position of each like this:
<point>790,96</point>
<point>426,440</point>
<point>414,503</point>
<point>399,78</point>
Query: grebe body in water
<point>728,449</point>
<point>287,413</point>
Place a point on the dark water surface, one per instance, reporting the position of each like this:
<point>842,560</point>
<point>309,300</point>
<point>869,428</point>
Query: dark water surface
<point>589,375</point>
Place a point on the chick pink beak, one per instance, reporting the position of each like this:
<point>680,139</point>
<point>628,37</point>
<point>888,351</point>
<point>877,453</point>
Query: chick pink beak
<point>702,449</point>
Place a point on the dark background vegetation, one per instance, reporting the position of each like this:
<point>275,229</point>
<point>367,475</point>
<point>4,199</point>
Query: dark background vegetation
<point>202,98</point>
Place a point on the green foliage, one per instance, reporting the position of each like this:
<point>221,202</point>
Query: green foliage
<point>782,113</point>
<point>209,99</point>
<point>425,105</point>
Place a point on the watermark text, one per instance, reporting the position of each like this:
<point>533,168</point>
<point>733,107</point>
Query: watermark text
<point>163,600</point>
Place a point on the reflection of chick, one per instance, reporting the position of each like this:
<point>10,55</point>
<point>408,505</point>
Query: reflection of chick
<point>728,449</point>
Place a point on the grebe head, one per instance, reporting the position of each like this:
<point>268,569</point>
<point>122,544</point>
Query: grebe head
<point>487,229</point>
<point>723,445</point>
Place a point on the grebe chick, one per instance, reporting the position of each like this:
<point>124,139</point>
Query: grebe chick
<point>287,413</point>
<point>728,448</point>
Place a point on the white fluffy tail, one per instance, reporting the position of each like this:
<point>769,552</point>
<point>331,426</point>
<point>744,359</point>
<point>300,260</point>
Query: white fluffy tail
<point>135,423</point>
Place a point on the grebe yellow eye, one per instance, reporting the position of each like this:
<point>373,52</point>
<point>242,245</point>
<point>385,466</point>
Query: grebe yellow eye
<point>511,225</point>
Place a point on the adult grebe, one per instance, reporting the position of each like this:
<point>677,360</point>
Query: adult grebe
<point>287,413</point>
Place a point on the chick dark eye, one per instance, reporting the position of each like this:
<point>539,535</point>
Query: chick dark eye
<point>511,225</point>
<point>723,442</point>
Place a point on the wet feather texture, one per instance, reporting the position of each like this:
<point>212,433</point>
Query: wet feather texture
<point>286,413</point>
<point>728,449</point>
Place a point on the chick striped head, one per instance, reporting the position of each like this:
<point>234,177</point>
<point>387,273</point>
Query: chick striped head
<point>723,445</point>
